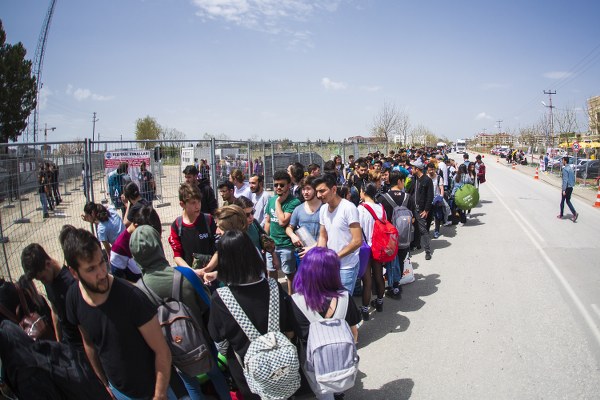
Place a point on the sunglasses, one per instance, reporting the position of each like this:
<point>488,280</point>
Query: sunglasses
<point>279,185</point>
<point>250,213</point>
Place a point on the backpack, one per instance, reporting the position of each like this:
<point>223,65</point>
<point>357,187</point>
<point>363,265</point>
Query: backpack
<point>328,337</point>
<point>115,189</point>
<point>384,242</point>
<point>402,220</point>
<point>271,365</point>
<point>190,350</point>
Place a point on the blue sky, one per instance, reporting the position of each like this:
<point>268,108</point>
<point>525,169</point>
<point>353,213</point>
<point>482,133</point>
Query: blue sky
<point>276,69</point>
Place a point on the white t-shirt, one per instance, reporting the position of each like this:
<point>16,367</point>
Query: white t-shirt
<point>442,166</point>
<point>244,190</point>
<point>366,219</point>
<point>337,225</point>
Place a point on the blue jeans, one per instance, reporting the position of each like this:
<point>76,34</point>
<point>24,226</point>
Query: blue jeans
<point>122,396</point>
<point>192,385</point>
<point>348,277</point>
<point>44,201</point>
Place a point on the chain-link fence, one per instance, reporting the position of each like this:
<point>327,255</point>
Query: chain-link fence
<point>76,172</point>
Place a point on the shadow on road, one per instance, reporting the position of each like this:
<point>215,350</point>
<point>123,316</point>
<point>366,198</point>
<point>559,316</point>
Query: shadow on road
<point>382,323</point>
<point>400,389</point>
<point>437,244</point>
<point>424,285</point>
<point>483,202</point>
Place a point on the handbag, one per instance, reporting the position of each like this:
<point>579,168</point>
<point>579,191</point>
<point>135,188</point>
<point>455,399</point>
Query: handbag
<point>364,255</point>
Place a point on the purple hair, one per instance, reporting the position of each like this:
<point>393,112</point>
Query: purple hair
<point>318,278</point>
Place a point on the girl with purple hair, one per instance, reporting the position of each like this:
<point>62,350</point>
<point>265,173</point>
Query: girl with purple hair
<point>318,282</point>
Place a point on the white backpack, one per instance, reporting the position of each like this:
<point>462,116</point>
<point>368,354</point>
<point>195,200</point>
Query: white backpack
<point>331,357</point>
<point>271,365</point>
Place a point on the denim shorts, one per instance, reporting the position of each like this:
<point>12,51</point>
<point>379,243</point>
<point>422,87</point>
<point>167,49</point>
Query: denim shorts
<point>288,260</point>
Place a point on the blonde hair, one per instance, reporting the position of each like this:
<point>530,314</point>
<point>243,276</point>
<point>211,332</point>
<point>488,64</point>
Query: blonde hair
<point>232,218</point>
<point>374,176</point>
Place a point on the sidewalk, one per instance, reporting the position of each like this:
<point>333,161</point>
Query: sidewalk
<point>587,193</point>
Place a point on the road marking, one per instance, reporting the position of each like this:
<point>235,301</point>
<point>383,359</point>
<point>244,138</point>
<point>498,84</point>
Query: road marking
<point>530,227</point>
<point>568,288</point>
<point>596,309</point>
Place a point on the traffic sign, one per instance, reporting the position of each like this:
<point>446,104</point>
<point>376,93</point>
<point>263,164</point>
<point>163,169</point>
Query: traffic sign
<point>576,146</point>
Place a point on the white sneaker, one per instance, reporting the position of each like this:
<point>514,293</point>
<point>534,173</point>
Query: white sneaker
<point>448,223</point>
<point>462,224</point>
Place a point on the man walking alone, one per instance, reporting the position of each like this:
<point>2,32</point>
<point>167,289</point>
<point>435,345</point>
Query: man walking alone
<point>568,182</point>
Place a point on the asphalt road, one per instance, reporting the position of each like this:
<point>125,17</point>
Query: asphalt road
<point>508,308</point>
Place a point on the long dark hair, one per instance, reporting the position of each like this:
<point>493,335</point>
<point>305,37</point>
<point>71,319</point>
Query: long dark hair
<point>462,169</point>
<point>239,262</point>
<point>96,210</point>
<point>147,215</point>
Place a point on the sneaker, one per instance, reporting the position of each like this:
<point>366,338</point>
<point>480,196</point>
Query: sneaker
<point>393,293</point>
<point>436,235</point>
<point>575,217</point>
<point>428,256</point>
<point>46,215</point>
<point>364,311</point>
<point>377,305</point>
<point>463,223</point>
<point>559,216</point>
<point>448,223</point>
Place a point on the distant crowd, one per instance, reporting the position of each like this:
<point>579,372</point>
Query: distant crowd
<point>125,322</point>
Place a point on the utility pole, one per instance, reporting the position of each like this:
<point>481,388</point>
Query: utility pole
<point>550,93</point>
<point>94,120</point>
<point>499,125</point>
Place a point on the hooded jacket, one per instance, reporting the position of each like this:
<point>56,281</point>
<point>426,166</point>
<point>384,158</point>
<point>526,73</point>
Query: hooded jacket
<point>147,250</point>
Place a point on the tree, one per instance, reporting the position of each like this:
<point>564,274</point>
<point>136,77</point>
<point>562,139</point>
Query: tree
<point>390,121</point>
<point>171,134</point>
<point>18,89</point>
<point>147,129</point>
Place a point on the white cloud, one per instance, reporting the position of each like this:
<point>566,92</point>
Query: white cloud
<point>557,75</point>
<point>482,115</point>
<point>331,85</point>
<point>84,94</point>
<point>43,97</point>
<point>270,16</point>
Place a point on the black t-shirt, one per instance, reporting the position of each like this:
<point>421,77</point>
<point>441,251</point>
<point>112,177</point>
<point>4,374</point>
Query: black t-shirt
<point>398,197</point>
<point>196,238</point>
<point>112,327</point>
<point>57,294</point>
<point>302,325</point>
<point>254,300</point>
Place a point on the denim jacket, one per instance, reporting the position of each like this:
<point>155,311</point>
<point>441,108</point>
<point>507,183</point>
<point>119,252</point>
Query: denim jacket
<point>568,177</point>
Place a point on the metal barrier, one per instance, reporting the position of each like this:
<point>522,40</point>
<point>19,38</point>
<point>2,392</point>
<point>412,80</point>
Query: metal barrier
<point>82,176</point>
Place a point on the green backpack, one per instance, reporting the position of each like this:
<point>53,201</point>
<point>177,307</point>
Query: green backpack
<point>467,197</point>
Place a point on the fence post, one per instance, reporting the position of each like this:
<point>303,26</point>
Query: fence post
<point>310,153</point>
<point>272,163</point>
<point>21,220</point>
<point>88,173</point>
<point>344,152</point>
<point>213,168</point>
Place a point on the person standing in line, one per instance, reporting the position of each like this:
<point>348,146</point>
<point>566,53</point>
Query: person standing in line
<point>57,280</point>
<point>119,325</point>
<point>259,197</point>
<point>226,189</point>
<point>423,192</point>
<point>209,201</point>
<point>55,186</point>
<point>278,213</point>
<point>340,228</point>
<point>568,183</point>
<point>241,188</point>
<point>306,215</point>
<point>374,270</point>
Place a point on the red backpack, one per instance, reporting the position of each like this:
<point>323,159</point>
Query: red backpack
<point>384,243</point>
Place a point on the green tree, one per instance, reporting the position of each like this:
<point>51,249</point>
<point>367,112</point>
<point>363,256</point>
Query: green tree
<point>18,89</point>
<point>148,129</point>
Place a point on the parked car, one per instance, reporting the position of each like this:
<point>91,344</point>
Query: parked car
<point>588,170</point>
<point>556,162</point>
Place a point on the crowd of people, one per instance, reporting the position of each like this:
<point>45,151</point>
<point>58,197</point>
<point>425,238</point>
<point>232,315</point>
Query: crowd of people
<point>114,286</point>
